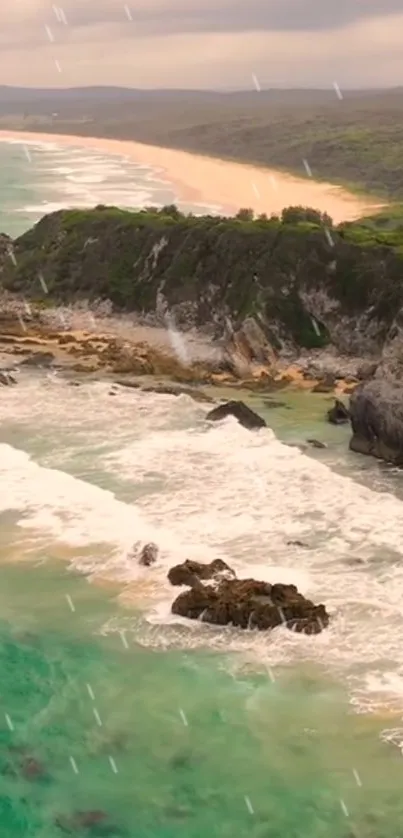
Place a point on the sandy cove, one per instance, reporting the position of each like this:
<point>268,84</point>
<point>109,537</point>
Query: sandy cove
<point>207,180</point>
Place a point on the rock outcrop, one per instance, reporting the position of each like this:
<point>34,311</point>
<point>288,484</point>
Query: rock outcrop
<point>338,414</point>
<point>263,290</point>
<point>149,554</point>
<point>244,603</point>
<point>325,385</point>
<point>279,283</point>
<point>244,414</point>
<point>248,345</point>
<point>190,573</point>
<point>376,413</point>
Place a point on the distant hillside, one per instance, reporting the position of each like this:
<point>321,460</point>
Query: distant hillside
<point>356,141</point>
<point>306,283</point>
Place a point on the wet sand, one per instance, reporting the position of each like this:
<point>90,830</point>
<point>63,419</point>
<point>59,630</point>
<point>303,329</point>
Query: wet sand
<point>199,179</point>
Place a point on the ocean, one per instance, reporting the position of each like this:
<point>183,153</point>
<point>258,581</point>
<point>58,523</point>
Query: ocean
<point>119,719</point>
<point>37,178</point>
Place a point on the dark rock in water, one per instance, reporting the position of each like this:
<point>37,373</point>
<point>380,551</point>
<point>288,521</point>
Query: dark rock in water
<point>338,414</point>
<point>25,765</point>
<point>178,812</point>
<point>376,412</point>
<point>170,389</point>
<point>245,416</point>
<point>39,359</point>
<point>128,382</point>
<point>316,443</point>
<point>149,554</point>
<point>249,604</point>
<point>6,378</point>
<point>179,390</point>
<point>354,561</point>
<point>32,769</point>
<point>191,573</point>
<point>272,403</point>
<point>326,385</point>
<point>296,543</point>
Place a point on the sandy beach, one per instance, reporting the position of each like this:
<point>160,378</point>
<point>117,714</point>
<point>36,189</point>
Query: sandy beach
<point>207,180</point>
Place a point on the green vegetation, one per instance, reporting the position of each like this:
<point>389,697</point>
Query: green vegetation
<point>357,142</point>
<point>298,275</point>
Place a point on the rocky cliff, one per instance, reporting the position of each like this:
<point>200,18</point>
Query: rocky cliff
<point>303,281</point>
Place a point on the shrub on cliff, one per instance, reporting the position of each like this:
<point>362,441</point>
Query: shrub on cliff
<point>292,215</point>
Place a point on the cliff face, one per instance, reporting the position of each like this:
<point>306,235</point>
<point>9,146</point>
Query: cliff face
<point>305,283</point>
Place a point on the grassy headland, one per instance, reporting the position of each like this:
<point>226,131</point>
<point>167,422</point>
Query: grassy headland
<point>306,282</point>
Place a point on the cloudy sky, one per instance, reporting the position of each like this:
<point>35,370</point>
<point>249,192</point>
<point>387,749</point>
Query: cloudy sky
<point>202,43</point>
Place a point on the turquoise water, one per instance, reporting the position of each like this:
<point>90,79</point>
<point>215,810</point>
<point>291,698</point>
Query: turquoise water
<point>182,747</point>
<point>38,178</point>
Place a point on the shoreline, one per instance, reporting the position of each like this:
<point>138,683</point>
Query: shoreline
<point>90,346</point>
<point>207,180</point>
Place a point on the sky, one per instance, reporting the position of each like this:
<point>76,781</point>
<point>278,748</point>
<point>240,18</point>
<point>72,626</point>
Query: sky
<point>212,44</point>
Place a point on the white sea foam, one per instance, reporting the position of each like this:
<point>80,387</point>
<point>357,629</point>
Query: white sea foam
<point>202,492</point>
<point>77,177</point>
<point>88,178</point>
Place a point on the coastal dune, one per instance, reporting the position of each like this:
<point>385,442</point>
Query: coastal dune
<point>230,185</point>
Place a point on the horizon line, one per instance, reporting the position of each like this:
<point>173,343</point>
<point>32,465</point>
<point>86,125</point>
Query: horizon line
<point>252,90</point>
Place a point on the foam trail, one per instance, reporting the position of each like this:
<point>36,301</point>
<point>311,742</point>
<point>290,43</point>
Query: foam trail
<point>77,513</point>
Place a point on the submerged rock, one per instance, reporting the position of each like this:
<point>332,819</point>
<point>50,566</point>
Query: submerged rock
<point>39,359</point>
<point>245,416</point>
<point>24,764</point>
<point>191,573</point>
<point>250,604</point>
<point>146,555</point>
<point>376,413</point>
<point>297,543</point>
<point>179,390</point>
<point>272,403</point>
<point>94,822</point>
<point>316,443</point>
<point>149,554</point>
<point>338,414</point>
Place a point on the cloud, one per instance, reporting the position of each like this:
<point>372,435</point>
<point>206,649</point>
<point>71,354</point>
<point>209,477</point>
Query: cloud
<point>159,17</point>
<point>214,43</point>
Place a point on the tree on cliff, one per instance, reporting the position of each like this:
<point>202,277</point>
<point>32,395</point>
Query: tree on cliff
<point>292,215</point>
<point>245,215</point>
